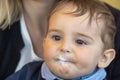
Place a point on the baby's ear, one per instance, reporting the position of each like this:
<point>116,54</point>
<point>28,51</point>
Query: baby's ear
<point>106,58</point>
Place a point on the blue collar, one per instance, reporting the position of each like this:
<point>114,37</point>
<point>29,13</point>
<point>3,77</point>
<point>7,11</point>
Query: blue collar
<point>98,74</point>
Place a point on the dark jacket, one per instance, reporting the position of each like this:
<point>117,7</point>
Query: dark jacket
<point>11,44</point>
<point>28,72</point>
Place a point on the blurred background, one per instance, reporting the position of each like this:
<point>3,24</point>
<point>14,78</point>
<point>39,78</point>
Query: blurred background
<point>114,3</point>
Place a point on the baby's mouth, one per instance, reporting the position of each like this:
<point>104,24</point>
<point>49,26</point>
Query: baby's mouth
<point>64,59</point>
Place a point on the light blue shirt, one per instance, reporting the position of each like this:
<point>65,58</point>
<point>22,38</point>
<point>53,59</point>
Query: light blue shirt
<point>99,74</point>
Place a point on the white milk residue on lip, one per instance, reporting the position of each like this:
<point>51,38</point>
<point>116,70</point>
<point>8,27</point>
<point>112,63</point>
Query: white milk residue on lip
<point>65,59</point>
<point>62,60</point>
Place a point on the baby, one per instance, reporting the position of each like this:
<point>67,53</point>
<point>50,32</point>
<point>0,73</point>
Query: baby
<point>79,43</point>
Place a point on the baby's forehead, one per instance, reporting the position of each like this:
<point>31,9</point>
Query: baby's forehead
<point>82,23</point>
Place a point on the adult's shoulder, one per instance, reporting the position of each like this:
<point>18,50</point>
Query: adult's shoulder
<point>12,26</point>
<point>11,43</point>
<point>9,30</point>
<point>9,34</point>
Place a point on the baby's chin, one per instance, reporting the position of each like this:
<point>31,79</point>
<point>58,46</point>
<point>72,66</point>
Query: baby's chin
<point>65,74</point>
<point>65,70</point>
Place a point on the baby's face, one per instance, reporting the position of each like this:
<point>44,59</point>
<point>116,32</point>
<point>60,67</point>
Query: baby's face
<point>72,47</point>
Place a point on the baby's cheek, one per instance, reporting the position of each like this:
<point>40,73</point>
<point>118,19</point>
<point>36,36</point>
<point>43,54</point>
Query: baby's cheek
<point>49,53</point>
<point>83,62</point>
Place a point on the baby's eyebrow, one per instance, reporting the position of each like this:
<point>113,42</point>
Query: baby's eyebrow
<point>84,35</point>
<point>54,30</point>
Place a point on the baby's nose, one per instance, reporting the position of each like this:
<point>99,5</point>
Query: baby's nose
<point>65,50</point>
<point>65,47</point>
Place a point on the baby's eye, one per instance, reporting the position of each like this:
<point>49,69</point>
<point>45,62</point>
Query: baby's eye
<point>80,42</point>
<point>56,37</point>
